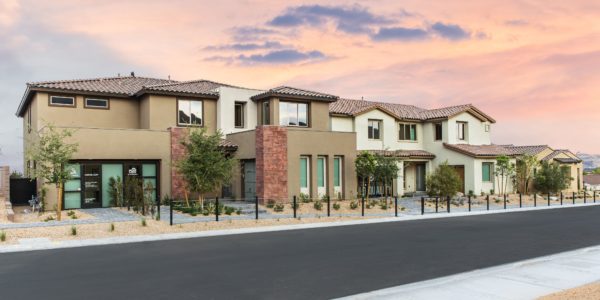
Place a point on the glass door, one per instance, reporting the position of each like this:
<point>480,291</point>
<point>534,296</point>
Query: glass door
<point>92,196</point>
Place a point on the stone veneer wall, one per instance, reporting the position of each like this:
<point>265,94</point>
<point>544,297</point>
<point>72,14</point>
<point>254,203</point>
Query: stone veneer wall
<point>271,163</point>
<point>4,182</point>
<point>177,152</point>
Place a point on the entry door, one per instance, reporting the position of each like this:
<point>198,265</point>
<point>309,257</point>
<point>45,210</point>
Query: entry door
<point>420,177</point>
<point>92,196</point>
<point>249,180</point>
<point>321,176</point>
<point>460,170</point>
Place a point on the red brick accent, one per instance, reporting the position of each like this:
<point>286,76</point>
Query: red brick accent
<point>271,163</point>
<point>177,152</point>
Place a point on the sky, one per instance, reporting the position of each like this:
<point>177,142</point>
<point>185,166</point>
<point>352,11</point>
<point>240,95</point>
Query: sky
<point>532,65</point>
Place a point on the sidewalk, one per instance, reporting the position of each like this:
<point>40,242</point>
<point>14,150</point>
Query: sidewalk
<point>527,279</point>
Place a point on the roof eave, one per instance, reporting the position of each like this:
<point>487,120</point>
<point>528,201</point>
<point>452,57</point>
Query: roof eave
<point>181,94</point>
<point>288,96</point>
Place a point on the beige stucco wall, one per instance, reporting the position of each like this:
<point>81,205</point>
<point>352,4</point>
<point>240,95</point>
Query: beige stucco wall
<point>161,112</point>
<point>475,133</point>
<point>122,144</point>
<point>344,124</point>
<point>311,143</point>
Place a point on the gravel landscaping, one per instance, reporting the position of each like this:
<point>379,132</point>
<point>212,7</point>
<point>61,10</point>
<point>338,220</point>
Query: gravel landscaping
<point>586,292</point>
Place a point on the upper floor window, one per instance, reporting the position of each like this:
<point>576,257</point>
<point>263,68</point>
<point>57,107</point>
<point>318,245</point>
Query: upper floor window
<point>96,103</point>
<point>266,113</point>
<point>407,132</point>
<point>293,114</point>
<point>438,131</point>
<point>189,112</point>
<point>486,127</point>
<point>239,115</point>
<point>62,101</point>
<point>374,129</point>
<point>461,130</point>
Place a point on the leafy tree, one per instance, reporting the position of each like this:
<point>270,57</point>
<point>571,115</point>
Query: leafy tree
<point>505,171</point>
<point>552,178</point>
<point>115,191</point>
<point>16,174</point>
<point>386,170</point>
<point>444,181</point>
<point>365,165</point>
<point>596,171</point>
<point>52,153</point>
<point>524,172</point>
<point>205,167</point>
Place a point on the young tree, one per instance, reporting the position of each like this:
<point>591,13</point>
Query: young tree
<point>365,164</point>
<point>505,171</point>
<point>551,178</point>
<point>205,166</point>
<point>444,181</point>
<point>52,153</point>
<point>386,169</point>
<point>524,172</point>
<point>16,174</point>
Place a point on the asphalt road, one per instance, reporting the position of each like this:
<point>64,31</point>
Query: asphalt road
<point>299,264</point>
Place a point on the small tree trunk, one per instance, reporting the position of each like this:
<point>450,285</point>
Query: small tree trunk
<point>368,187</point>
<point>187,200</point>
<point>59,201</point>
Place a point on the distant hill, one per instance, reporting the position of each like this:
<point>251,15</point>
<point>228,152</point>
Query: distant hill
<point>590,161</point>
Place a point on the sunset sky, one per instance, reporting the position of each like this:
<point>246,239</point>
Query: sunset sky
<point>532,65</point>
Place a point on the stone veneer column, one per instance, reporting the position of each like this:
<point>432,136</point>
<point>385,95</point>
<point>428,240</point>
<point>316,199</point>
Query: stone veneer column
<point>271,163</point>
<point>177,152</point>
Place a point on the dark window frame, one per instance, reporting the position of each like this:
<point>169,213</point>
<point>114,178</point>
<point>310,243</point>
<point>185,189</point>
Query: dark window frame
<point>463,131</point>
<point>74,105</point>
<point>308,123</point>
<point>371,131</point>
<point>242,115</point>
<point>85,103</point>
<point>266,112</point>
<point>438,131</point>
<point>402,133</point>
<point>179,124</point>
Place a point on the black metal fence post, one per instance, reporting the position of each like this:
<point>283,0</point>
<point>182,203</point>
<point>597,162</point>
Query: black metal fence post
<point>594,196</point>
<point>469,202</point>
<point>448,204</point>
<point>584,197</point>
<point>504,201</point>
<point>487,199</point>
<point>171,212</point>
<point>256,206</point>
<point>158,208</point>
<point>422,205</point>
<point>363,206</point>
<point>574,197</point>
<point>396,206</point>
<point>520,200</point>
<point>328,207</point>
<point>561,198</point>
<point>294,203</point>
<point>548,199</point>
<point>217,209</point>
<point>436,204</point>
<point>534,199</point>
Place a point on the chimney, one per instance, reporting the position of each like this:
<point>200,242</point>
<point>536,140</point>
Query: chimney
<point>132,74</point>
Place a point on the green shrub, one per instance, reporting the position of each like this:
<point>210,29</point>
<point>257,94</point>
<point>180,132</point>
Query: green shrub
<point>229,210</point>
<point>73,216</point>
<point>71,213</point>
<point>49,218</point>
<point>383,206</point>
<point>278,207</point>
<point>353,204</point>
<point>318,205</point>
<point>336,206</point>
<point>296,207</point>
<point>304,198</point>
<point>270,203</point>
<point>144,222</point>
<point>112,227</point>
<point>73,230</point>
<point>2,236</point>
<point>238,211</point>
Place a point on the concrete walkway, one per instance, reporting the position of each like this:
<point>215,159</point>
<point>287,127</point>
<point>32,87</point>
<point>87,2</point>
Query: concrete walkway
<point>528,279</point>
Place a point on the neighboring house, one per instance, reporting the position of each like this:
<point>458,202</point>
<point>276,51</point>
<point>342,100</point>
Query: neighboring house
<point>592,182</point>
<point>565,158</point>
<point>422,139</point>
<point>4,183</point>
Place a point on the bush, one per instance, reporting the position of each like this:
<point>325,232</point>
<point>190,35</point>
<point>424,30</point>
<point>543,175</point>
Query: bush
<point>73,230</point>
<point>144,222</point>
<point>229,210</point>
<point>318,205</point>
<point>70,213</point>
<point>383,206</point>
<point>353,204</point>
<point>2,236</point>
<point>112,227</point>
<point>238,211</point>
<point>336,206</point>
<point>296,207</point>
<point>270,203</point>
<point>444,181</point>
<point>49,218</point>
<point>73,216</point>
<point>304,198</point>
<point>278,207</point>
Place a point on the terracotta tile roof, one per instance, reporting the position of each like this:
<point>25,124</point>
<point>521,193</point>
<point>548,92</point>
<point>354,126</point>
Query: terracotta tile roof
<point>480,150</point>
<point>529,150</point>
<point>402,111</point>
<point>593,179</point>
<point>197,87</point>
<point>227,144</point>
<point>405,153</point>
<point>553,155</point>
<point>286,91</point>
<point>126,85</point>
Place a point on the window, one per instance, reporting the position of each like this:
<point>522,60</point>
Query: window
<point>321,172</point>
<point>266,113</point>
<point>62,101</point>
<point>304,171</point>
<point>487,127</point>
<point>407,132</point>
<point>239,115</point>
<point>337,171</point>
<point>461,128</point>
<point>293,114</point>
<point>438,131</point>
<point>487,168</point>
<point>189,112</point>
<point>374,129</point>
<point>96,103</point>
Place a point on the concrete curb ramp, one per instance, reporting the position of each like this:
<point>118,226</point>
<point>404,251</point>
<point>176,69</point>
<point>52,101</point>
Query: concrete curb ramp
<point>45,244</point>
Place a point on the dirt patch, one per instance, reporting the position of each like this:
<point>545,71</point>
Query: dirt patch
<point>586,292</point>
<point>23,214</point>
